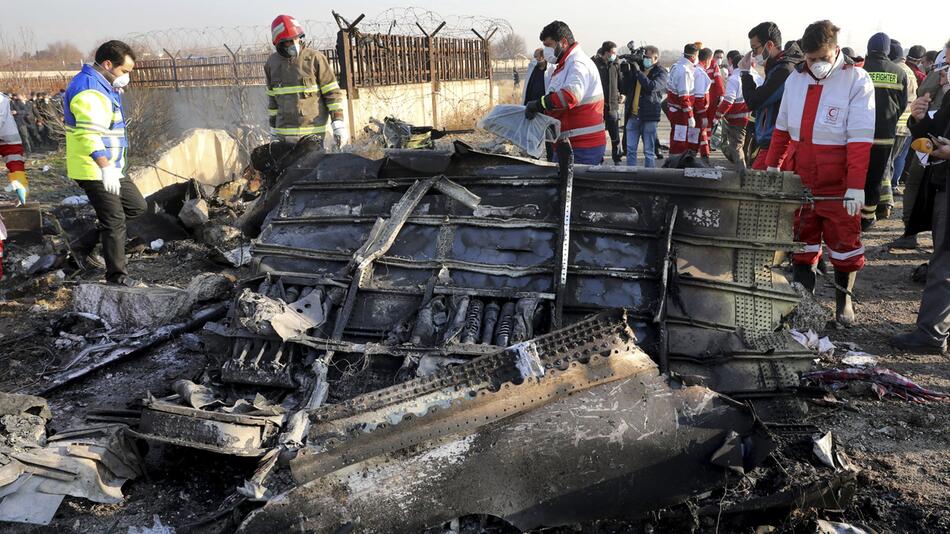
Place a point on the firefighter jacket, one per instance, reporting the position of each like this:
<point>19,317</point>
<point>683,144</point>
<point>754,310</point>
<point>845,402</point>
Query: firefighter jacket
<point>11,146</point>
<point>302,93</point>
<point>827,126</point>
<point>95,125</point>
<point>576,98</point>
<point>679,96</point>
<point>890,95</point>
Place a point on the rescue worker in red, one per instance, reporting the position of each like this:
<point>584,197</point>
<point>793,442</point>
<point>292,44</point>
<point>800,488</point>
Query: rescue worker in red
<point>701,85</point>
<point>717,89</point>
<point>575,95</point>
<point>679,101</point>
<point>825,125</point>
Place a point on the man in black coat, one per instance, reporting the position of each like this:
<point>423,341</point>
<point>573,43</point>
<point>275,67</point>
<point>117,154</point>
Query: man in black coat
<point>931,212</point>
<point>606,61</point>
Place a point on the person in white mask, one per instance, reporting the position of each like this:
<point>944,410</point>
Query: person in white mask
<point>825,129</point>
<point>96,149</point>
<point>764,98</point>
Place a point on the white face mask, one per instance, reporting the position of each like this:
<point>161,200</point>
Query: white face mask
<point>763,57</point>
<point>549,55</point>
<point>121,81</point>
<point>820,69</point>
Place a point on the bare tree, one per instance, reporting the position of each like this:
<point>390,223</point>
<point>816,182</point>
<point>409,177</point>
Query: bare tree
<point>59,53</point>
<point>510,46</point>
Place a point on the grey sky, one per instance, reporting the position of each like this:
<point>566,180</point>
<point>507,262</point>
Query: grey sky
<point>717,24</point>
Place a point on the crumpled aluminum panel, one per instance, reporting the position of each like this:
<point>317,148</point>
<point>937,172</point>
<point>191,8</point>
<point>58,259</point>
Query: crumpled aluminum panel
<point>599,434</point>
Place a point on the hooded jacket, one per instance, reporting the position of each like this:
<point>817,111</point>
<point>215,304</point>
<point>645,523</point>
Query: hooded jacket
<point>764,100</point>
<point>890,95</point>
<point>827,126</point>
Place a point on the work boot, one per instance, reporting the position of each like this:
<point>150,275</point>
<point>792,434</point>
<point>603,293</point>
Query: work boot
<point>867,223</point>
<point>93,259</point>
<point>905,242</point>
<point>844,309</point>
<point>917,342</point>
<point>883,212</point>
<point>806,276</point>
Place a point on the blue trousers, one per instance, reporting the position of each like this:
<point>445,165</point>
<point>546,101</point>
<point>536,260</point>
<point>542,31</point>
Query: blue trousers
<point>900,159</point>
<point>587,156</point>
<point>637,129</point>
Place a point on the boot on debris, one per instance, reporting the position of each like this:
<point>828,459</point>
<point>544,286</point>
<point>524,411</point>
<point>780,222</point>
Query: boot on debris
<point>844,308</point>
<point>806,275</point>
<point>917,342</point>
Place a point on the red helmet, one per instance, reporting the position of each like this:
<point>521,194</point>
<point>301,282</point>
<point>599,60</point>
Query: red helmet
<point>284,28</point>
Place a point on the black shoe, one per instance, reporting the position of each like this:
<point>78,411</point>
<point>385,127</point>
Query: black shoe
<point>917,343</point>
<point>660,156</point>
<point>883,212</point>
<point>126,281</point>
<point>867,224</point>
<point>844,309</point>
<point>905,242</point>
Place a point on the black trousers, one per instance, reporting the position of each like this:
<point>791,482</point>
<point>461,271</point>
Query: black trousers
<point>611,121</point>
<point>112,212</point>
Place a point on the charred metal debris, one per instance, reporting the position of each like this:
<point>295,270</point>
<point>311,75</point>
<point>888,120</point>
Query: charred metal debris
<point>436,334</point>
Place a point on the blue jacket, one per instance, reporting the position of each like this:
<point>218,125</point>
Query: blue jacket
<point>652,89</point>
<point>95,125</point>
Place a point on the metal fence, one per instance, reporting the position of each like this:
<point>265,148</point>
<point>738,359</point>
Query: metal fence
<point>373,60</point>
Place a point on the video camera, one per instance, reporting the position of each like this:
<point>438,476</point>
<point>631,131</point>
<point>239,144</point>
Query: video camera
<point>635,55</point>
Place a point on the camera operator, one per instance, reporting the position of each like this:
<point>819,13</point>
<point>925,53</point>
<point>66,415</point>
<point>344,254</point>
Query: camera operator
<point>931,213</point>
<point>607,66</point>
<point>643,85</point>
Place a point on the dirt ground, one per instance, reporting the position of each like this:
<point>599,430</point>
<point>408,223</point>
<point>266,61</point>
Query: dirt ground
<point>901,447</point>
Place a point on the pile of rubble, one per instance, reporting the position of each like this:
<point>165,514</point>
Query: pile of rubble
<point>433,335</point>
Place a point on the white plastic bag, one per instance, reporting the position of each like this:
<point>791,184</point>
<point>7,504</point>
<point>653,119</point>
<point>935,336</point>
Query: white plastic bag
<point>508,121</point>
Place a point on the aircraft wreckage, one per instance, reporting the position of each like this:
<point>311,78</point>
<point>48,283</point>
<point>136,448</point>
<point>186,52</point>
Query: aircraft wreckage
<point>436,334</point>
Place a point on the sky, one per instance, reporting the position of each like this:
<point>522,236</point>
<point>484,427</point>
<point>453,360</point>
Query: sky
<point>718,24</point>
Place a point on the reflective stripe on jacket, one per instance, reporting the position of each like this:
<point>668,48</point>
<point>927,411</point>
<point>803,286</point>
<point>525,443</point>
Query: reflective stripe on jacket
<point>890,95</point>
<point>732,107</point>
<point>11,146</point>
<point>576,98</point>
<point>95,125</point>
<point>680,88</point>
<point>827,126</point>
<point>302,93</point>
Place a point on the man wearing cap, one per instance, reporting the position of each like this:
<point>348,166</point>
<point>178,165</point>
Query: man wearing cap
<point>302,92</point>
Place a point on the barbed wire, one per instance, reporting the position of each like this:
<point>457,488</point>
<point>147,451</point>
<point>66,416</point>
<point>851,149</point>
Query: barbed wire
<point>215,40</point>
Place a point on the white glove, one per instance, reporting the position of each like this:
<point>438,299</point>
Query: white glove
<point>772,169</point>
<point>692,122</point>
<point>339,133</point>
<point>110,179</point>
<point>854,206</point>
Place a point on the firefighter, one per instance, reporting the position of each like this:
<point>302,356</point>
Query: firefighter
<point>679,100</point>
<point>302,91</point>
<point>825,125</point>
<point>11,149</point>
<point>890,97</point>
<point>575,95</point>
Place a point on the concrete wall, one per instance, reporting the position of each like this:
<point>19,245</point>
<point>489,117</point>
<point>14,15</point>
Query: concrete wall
<point>164,115</point>
<point>211,157</point>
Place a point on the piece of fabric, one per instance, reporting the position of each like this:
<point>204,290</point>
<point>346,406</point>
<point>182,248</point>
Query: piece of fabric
<point>638,130</point>
<point>113,211</point>
<point>828,222</point>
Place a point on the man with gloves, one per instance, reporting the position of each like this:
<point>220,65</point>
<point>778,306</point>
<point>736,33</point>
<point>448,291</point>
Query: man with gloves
<point>825,125</point>
<point>302,91</point>
<point>11,149</point>
<point>96,149</point>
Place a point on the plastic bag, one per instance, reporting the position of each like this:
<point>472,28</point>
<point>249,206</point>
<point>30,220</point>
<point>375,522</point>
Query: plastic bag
<point>508,121</point>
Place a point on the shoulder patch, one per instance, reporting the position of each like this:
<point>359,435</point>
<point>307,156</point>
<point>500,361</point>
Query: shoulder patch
<point>883,77</point>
